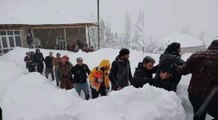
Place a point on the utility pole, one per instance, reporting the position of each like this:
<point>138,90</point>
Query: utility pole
<point>98,24</point>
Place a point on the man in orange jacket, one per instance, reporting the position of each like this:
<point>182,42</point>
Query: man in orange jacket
<point>99,80</point>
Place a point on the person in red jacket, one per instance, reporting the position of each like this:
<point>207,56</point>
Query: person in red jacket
<point>203,66</point>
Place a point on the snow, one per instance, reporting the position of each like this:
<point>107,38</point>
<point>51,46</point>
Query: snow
<point>46,102</point>
<point>9,73</point>
<point>30,96</point>
<point>184,39</point>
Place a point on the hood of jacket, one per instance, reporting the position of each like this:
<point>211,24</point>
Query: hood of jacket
<point>104,63</point>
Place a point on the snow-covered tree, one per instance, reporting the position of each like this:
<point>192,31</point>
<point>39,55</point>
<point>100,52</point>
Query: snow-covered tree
<point>93,36</point>
<point>128,26</point>
<point>102,33</point>
<point>186,30</point>
<point>110,41</point>
<point>138,41</point>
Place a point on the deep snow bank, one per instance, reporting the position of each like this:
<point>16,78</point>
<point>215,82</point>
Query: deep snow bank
<point>9,72</point>
<point>32,97</point>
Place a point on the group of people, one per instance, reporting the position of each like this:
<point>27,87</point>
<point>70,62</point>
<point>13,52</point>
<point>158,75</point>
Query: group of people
<point>202,65</point>
<point>60,73</point>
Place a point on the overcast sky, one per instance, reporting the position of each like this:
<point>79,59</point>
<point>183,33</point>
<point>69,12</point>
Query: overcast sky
<point>161,16</point>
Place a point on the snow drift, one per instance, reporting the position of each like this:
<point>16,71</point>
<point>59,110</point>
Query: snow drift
<point>30,96</point>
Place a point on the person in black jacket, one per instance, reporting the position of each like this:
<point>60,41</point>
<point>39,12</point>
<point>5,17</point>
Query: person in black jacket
<point>144,71</point>
<point>168,60</point>
<point>38,60</point>
<point>78,75</point>
<point>1,117</point>
<point>120,74</point>
<point>49,65</point>
<point>29,62</point>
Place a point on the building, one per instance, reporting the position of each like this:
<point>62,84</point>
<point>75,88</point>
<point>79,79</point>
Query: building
<point>48,36</point>
<point>189,44</point>
<point>52,25</point>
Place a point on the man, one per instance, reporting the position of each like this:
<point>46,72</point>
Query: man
<point>29,62</point>
<point>144,71</point>
<point>38,59</point>
<point>49,65</point>
<point>99,80</point>
<point>170,57</point>
<point>79,73</point>
<point>64,68</point>
<point>203,66</point>
<point>56,62</point>
<point>120,74</point>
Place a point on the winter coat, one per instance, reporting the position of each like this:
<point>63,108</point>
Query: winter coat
<point>79,73</point>
<point>203,67</point>
<point>65,75</point>
<point>38,58</point>
<point>1,117</point>
<point>120,74</point>
<point>48,62</point>
<point>29,64</point>
<point>56,62</point>
<point>142,75</point>
<point>167,64</point>
<point>99,72</point>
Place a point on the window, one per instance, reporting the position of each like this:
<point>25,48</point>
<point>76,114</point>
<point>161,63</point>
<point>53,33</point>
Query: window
<point>5,50</point>
<point>60,42</point>
<point>10,32</point>
<point>9,39</point>
<point>2,32</point>
<point>4,42</point>
<point>17,32</point>
<point>18,41</point>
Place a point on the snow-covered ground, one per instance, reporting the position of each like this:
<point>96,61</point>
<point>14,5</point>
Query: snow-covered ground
<point>30,96</point>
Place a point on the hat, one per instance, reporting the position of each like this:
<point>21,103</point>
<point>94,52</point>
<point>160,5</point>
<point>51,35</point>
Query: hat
<point>173,48</point>
<point>58,54</point>
<point>79,59</point>
<point>213,45</point>
<point>123,52</point>
<point>66,57</point>
<point>148,59</point>
<point>37,49</point>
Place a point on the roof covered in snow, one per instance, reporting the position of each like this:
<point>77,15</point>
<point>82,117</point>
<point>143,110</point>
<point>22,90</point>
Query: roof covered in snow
<point>47,11</point>
<point>184,39</point>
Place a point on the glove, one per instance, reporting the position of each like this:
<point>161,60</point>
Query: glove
<point>165,75</point>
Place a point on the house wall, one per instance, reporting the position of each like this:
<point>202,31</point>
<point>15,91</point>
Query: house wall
<point>48,36</point>
<point>72,35</point>
<point>23,33</point>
